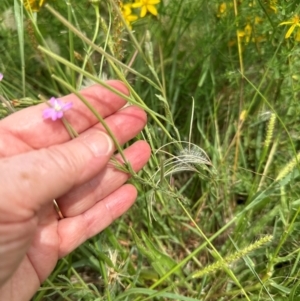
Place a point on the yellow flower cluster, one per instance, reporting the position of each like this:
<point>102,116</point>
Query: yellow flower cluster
<point>33,5</point>
<point>246,33</point>
<point>250,31</point>
<point>294,22</point>
<point>145,7</point>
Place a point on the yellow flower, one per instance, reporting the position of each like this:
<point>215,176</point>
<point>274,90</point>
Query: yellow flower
<point>258,20</point>
<point>241,33</point>
<point>248,32</point>
<point>221,10</point>
<point>146,6</point>
<point>295,22</point>
<point>33,5</point>
<point>297,37</point>
<point>273,6</point>
<point>127,14</point>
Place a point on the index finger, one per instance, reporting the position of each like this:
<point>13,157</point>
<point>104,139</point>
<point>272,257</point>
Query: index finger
<point>31,128</point>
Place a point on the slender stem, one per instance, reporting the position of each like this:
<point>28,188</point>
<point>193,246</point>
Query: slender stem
<point>138,103</point>
<point>240,52</point>
<point>19,16</point>
<point>71,42</point>
<point>89,51</point>
<point>268,163</point>
<point>98,116</point>
<point>98,48</point>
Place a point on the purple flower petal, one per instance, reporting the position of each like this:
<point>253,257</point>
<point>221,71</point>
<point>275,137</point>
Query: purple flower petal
<point>67,106</point>
<point>53,116</point>
<point>57,109</point>
<point>47,113</point>
<point>59,114</point>
<point>52,101</point>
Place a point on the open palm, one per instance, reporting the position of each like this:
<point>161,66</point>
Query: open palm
<point>39,163</point>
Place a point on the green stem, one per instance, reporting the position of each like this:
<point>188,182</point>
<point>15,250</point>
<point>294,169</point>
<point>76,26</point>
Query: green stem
<point>98,116</point>
<point>138,103</point>
<point>98,48</point>
<point>71,42</point>
<point>19,16</point>
<point>89,51</point>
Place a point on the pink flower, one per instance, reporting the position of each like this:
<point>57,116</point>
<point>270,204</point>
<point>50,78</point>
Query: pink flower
<point>57,109</point>
<point>1,77</point>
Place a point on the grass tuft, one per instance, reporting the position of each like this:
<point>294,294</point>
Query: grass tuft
<point>217,216</point>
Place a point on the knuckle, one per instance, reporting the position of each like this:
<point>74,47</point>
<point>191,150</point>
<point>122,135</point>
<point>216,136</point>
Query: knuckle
<point>65,163</point>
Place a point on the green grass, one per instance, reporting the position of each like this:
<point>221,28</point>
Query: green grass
<point>223,107</point>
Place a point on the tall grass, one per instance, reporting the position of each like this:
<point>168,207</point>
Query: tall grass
<point>217,216</point>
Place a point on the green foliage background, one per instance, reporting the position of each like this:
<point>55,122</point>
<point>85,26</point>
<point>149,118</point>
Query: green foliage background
<point>223,94</point>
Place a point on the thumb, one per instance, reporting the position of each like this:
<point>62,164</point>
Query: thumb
<point>32,179</point>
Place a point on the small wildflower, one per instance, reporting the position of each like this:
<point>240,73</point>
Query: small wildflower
<point>127,14</point>
<point>1,77</point>
<point>241,33</point>
<point>57,109</point>
<point>273,6</point>
<point>248,33</point>
<point>258,20</point>
<point>33,5</point>
<point>221,10</point>
<point>146,6</point>
<point>295,22</point>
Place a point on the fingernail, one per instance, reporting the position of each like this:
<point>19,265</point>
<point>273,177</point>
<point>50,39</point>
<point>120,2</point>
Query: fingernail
<point>99,143</point>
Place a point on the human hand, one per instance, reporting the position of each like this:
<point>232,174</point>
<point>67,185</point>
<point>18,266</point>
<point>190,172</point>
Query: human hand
<point>39,163</point>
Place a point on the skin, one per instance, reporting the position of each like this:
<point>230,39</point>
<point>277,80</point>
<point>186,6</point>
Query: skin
<point>39,163</point>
